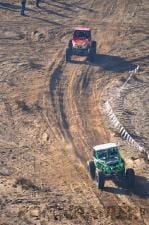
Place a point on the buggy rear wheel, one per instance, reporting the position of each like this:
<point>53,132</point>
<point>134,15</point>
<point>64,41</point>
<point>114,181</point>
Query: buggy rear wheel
<point>100,180</point>
<point>91,169</point>
<point>93,46</point>
<point>92,52</point>
<point>68,54</point>
<point>130,177</point>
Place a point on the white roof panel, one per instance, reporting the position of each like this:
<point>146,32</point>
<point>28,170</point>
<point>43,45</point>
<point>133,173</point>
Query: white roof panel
<point>82,28</point>
<point>104,146</point>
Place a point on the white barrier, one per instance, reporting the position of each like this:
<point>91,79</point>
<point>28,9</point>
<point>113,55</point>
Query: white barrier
<point>115,122</point>
<point>117,125</point>
<point>131,74</point>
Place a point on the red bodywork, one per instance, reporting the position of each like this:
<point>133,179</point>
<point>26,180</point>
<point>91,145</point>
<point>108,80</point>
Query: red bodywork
<point>81,36</point>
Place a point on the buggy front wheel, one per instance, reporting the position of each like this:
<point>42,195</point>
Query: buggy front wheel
<point>68,55</point>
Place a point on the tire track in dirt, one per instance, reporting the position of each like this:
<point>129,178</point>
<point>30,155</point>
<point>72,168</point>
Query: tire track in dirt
<point>77,130</point>
<point>51,108</point>
<point>58,98</point>
<point>84,188</point>
<point>57,85</point>
<point>70,110</point>
<point>48,104</point>
<point>62,89</point>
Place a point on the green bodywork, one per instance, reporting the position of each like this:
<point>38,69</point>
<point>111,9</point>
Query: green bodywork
<point>109,161</point>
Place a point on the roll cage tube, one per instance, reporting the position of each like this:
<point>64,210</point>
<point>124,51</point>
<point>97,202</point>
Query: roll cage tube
<point>82,34</point>
<point>105,154</point>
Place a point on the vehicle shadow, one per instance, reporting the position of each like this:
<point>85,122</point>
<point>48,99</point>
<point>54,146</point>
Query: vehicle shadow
<point>141,188</point>
<point>8,6</point>
<point>48,11</point>
<point>60,6</point>
<point>46,21</point>
<point>109,63</point>
<point>114,63</point>
<point>13,7</point>
<point>70,5</point>
<point>62,3</point>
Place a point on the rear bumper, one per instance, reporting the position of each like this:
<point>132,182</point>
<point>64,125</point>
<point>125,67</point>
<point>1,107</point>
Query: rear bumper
<point>114,174</point>
<point>80,51</point>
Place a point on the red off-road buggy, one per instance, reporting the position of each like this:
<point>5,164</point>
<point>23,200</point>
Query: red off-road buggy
<point>81,44</point>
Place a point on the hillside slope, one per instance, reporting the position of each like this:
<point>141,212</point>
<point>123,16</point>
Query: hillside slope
<point>52,112</point>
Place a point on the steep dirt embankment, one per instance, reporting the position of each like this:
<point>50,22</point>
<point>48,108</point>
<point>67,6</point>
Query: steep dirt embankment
<point>51,112</point>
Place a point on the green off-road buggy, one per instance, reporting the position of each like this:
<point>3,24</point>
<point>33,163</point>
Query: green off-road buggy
<point>107,163</point>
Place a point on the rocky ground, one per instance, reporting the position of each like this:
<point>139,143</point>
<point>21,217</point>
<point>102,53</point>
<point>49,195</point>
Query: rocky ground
<point>52,112</point>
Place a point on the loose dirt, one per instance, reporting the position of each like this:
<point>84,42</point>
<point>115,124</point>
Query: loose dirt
<point>52,112</point>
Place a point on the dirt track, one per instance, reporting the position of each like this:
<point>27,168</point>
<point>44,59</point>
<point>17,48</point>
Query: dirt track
<point>52,112</point>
